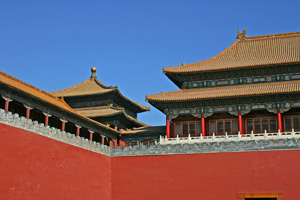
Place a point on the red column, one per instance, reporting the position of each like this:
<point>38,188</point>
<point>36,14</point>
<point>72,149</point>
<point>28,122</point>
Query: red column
<point>102,140</point>
<point>240,122</point>
<point>279,120</point>
<point>168,126</point>
<point>63,124</point>
<point>6,104</point>
<point>27,112</point>
<point>202,124</point>
<point>115,143</point>
<point>78,130</point>
<point>91,135</point>
<point>46,119</point>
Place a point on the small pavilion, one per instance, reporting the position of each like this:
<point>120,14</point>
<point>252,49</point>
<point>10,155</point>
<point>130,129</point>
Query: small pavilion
<point>104,104</point>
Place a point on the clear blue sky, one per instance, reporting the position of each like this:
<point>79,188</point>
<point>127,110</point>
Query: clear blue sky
<point>53,44</point>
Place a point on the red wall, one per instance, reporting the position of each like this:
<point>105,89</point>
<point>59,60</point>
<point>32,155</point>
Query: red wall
<point>36,167</point>
<point>206,176</point>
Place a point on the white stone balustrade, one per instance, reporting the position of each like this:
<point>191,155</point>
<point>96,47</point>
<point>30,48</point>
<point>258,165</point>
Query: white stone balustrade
<point>228,138</point>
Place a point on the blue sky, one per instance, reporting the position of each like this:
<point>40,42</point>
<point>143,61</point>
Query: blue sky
<point>53,44</point>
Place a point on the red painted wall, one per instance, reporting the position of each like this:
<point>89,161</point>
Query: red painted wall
<point>206,176</point>
<point>36,167</point>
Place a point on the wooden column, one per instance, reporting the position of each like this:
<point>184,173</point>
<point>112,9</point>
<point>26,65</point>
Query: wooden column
<point>279,121</point>
<point>115,143</point>
<point>240,122</point>
<point>102,139</point>
<point>27,111</point>
<point>91,135</point>
<point>6,104</point>
<point>63,124</point>
<point>46,118</point>
<point>167,126</point>
<point>78,130</point>
<point>202,124</point>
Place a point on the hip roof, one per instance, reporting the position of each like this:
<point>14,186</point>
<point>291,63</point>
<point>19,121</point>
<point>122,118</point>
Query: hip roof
<point>266,50</point>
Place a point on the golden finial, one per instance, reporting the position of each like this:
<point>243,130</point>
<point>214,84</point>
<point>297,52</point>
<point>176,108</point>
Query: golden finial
<point>94,69</point>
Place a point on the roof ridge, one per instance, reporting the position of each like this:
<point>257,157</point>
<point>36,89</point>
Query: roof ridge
<point>210,59</point>
<point>102,85</point>
<point>273,35</point>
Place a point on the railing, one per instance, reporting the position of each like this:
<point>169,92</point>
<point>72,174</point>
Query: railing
<point>227,138</point>
<point>145,143</point>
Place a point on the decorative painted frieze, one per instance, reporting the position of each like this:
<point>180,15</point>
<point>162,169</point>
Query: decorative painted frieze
<point>232,109</point>
<point>240,81</point>
<point>79,104</point>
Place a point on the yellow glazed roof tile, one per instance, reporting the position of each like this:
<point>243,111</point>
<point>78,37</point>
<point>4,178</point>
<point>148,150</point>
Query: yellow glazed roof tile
<point>249,52</point>
<point>228,91</point>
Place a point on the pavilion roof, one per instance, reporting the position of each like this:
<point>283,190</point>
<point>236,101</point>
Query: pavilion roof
<point>89,87</point>
<point>46,97</point>
<point>107,111</point>
<point>227,91</point>
<point>266,50</point>
<point>93,86</point>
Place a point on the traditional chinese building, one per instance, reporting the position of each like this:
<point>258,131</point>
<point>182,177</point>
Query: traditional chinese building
<point>31,103</point>
<point>252,86</point>
<point>104,104</point>
<point>49,150</point>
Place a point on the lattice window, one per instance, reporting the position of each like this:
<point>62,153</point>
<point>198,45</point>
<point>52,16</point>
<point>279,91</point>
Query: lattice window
<point>292,122</point>
<point>259,125</point>
<point>220,126</point>
<point>188,127</point>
